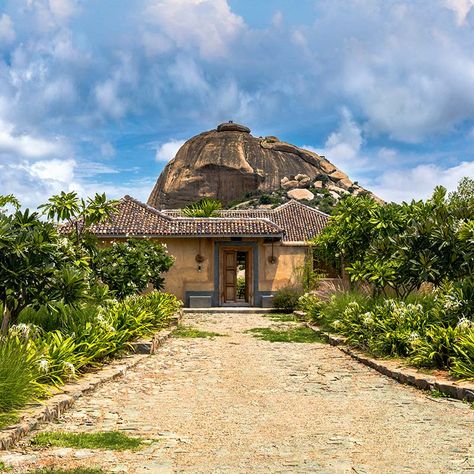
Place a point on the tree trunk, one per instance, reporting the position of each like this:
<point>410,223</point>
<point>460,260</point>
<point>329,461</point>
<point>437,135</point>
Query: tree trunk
<point>5,318</point>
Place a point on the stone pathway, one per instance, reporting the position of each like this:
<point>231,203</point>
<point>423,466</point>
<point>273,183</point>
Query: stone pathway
<point>237,404</point>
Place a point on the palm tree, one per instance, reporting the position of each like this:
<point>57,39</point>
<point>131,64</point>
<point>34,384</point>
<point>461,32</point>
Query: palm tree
<point>204,208</point>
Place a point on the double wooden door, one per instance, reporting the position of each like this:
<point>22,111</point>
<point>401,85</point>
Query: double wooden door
<point>236,275</point>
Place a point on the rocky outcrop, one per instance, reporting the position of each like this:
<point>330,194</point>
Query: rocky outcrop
<point>227,163</point>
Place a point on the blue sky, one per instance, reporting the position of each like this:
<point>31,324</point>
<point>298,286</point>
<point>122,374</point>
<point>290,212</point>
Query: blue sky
<point>97,95</point>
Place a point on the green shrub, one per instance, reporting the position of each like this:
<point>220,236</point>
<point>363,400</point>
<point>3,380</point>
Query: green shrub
<point>462,361</point>
<point>19,372</point>
<point>311,305</point>
<point>435,348</point>
<point>129,267</point>
<point>287,298</point>
<point>66,340</point>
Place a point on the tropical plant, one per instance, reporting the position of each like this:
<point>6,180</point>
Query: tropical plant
<point>129,267</point>
<point>204,208</point>
<point>32,265</point>
<point>79,214</point>
<point>19,371</point>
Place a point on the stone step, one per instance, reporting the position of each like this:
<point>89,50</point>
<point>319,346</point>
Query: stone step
<point>233,309</point>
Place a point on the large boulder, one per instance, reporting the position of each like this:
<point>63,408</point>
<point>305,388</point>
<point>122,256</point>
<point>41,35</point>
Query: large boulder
<point>300,194</point>
<point>227,163</point>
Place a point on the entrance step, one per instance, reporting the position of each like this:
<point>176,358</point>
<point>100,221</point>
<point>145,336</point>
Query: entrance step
<point>232,309</point>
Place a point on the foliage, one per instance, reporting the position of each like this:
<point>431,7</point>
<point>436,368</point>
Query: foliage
<point>402,246</point>
<point>298,334</point>
<point>19,371</point>
<point>240,288</point>
<point>190,332</point>
<point>69,339</point>
<point>110,440</point>
<point>281,317</point>
<point>287,298</point>
<point>80,214</point>
<point>204,208</point>
<point>433,330</point>
<point>129,267</point>
<point>34,265</point>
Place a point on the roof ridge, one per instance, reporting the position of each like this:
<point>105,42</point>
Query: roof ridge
<point>147,207</point>
<point>298,203</point>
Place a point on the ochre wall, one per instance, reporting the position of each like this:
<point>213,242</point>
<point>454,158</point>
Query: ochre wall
<point>184,275</point>
<point>284,272</point>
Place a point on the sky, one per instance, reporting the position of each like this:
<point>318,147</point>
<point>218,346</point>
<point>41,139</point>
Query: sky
<point>98,95</point>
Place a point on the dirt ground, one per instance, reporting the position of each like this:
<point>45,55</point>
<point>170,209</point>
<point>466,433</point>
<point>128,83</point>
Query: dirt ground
<point>238,404</point>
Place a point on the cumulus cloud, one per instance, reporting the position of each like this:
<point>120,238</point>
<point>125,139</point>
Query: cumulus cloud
<point>209,25</point>
<point>26,145</point>
<point>167,151</point>
<point>461,8</point>
<point>403,71</point>
<point>419,182</point>
<point>343,146</point>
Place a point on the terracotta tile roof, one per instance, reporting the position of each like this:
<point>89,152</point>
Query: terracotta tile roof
<point>299,221</point>
<point>133,218</point>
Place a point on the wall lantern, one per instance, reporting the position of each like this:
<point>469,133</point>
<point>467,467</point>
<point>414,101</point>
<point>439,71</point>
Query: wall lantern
<point>199,258</point>
<point>272,259</point>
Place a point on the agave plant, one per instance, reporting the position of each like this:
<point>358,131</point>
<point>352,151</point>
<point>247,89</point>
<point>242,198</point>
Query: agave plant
<point>203,208</point>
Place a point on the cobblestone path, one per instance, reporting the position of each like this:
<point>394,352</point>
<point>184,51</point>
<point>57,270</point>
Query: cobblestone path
<point>237,404</point>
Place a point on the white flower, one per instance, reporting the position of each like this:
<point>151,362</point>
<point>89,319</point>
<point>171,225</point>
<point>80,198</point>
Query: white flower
<point>69,369</point>
<point>44,366</point>
<point>368,318</point>
<point>465,324</point>
<point>414,336</point>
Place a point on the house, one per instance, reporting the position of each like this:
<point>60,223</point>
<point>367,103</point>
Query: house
<point>239,258</point>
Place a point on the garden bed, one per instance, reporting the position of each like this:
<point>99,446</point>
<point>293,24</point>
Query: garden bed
<point>51,408</point>
<point>437,381</point>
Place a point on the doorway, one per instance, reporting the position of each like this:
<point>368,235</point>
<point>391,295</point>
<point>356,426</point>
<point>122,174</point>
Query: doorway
<point>236,277</point>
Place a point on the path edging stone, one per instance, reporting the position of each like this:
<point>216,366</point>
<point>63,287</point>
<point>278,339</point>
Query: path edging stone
<point>459,390</point>
<point>52,408</point>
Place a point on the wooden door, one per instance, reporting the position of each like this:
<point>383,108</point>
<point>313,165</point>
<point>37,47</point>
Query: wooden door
<point>230,276</point>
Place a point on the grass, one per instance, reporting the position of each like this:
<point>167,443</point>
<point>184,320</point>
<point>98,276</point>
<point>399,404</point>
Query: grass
<point>283,317</point>
<point>77,470</point>
<point>111,440</point>
<point>438,394</point>
<point>294,334</point>
<point>188,331</point>
<point>8,419</point>
<point>4,468</point>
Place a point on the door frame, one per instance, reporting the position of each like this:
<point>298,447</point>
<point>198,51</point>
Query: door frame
<point>250,283</point>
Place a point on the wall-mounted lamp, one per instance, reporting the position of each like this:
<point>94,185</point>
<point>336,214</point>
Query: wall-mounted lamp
<point>272,259</point>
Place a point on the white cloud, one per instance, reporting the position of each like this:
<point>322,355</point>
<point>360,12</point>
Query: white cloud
<point>461,8</point>
<point>7,31</point>
<point>62,9</point>
<point>168,150</point>
<point>26,145</point>
<point>61,171</point>
<point>209,25</point>
<point>419,182</point>
<point>108,100</point>
<point>343,146</point>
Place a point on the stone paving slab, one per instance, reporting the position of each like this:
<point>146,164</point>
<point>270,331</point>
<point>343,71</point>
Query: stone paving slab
<point>238,404</point>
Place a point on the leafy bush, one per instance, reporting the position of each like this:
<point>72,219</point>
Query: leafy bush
<point>462,362</point>
<point>129,267</point>
<point>69,339</point>
<point>19,371</point>
<point>287,298</point>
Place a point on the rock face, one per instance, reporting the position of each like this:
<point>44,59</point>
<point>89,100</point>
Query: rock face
<point>229,162</point>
